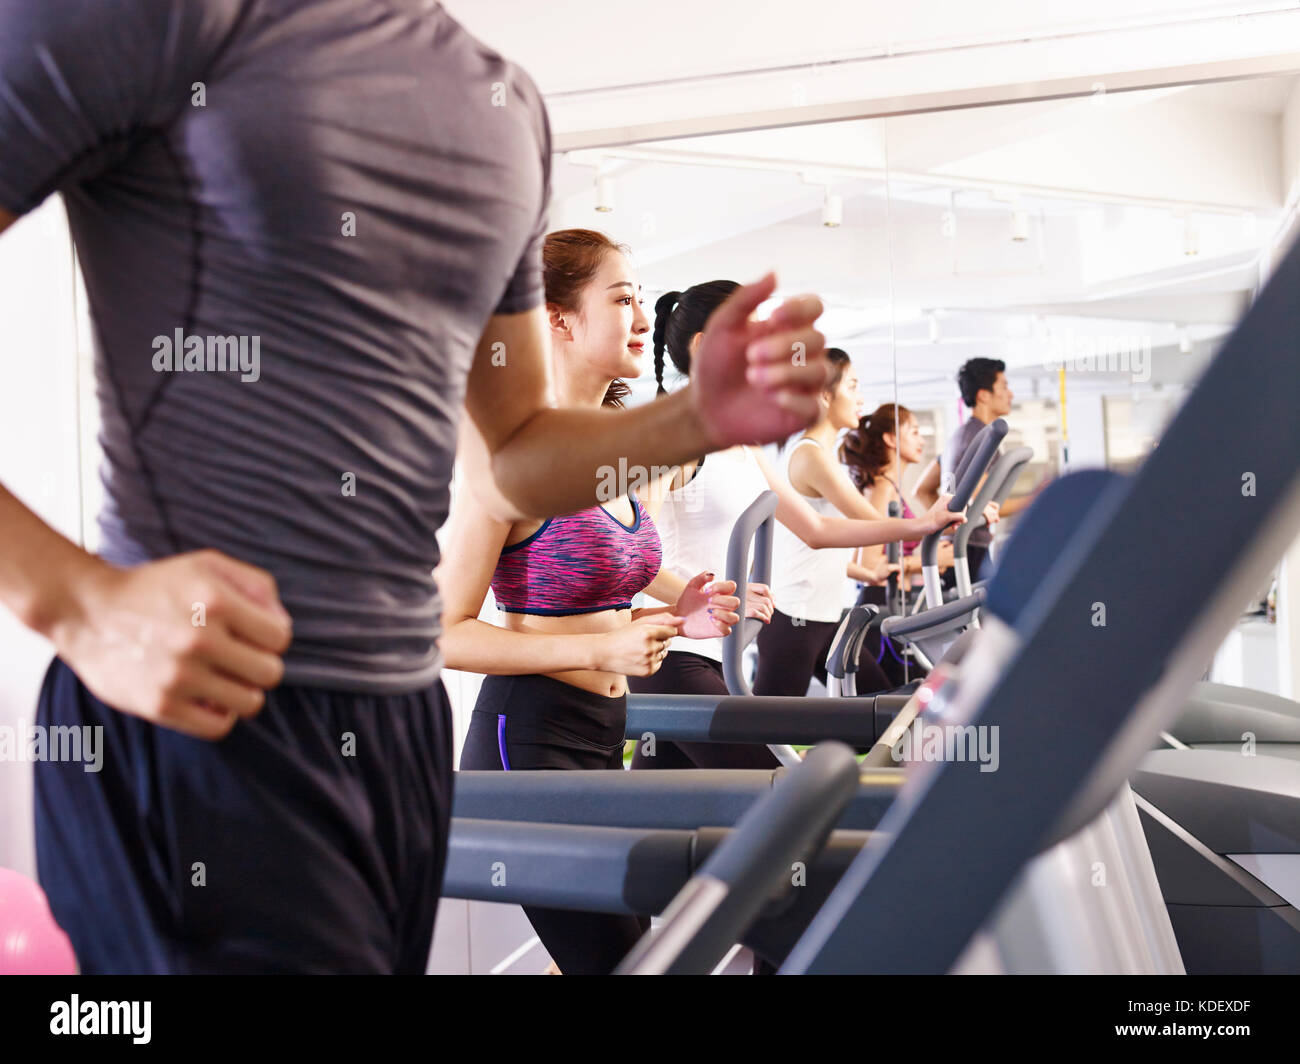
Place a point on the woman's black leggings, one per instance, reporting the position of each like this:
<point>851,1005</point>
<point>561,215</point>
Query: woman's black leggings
<point>522,723</point>
<point>791,650</point>
<point>684,673</point>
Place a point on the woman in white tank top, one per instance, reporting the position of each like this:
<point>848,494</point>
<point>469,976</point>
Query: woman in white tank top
<point>695,513</point>
<point>811,586</point>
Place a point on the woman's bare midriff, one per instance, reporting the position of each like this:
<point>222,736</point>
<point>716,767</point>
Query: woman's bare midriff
<point>609,684</point>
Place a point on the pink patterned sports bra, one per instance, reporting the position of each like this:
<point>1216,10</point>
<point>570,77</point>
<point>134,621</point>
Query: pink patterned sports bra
<point>580,563</point>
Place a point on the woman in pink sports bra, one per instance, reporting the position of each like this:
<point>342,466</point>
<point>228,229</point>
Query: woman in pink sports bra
<point>556,662</point>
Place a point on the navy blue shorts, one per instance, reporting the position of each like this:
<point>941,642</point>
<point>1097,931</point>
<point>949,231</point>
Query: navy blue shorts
<point>313,838</point>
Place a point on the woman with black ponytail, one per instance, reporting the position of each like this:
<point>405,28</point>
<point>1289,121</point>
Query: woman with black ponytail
<point>679,321</point>
<point>664,307</point>
<point>695,516</point>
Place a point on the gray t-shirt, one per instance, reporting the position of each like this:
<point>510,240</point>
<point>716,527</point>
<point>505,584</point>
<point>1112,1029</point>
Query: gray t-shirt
<point>962,439</point>
<point>329,199</point>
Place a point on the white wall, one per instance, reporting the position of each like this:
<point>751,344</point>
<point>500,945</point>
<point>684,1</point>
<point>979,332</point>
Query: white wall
<point>1087,426</point>
<point>38,461</point>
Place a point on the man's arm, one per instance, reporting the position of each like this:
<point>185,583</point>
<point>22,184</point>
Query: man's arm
<point>753,382</point>
<point>1017,503</point>
<point>137,638</point>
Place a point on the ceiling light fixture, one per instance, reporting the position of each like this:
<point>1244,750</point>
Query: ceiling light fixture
<point>1019,225</point>
<point>832,209</point>
<point>604,194</point>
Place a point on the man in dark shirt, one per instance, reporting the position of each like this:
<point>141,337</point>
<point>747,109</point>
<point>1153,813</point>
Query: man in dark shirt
<point>310,233</point>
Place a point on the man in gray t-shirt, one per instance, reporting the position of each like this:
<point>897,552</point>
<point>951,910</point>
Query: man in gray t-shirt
<point>310,232</point>
<point>984,389</point>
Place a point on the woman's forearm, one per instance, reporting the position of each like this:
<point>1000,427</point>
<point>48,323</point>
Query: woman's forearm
<point>860,573</point>
<point>848,532</point>
<point>475,646</point>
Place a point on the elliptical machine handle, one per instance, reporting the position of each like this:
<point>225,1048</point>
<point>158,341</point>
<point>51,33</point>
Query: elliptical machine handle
<point>893,555</point>
<point>981,452</point>
<point>755,524</point>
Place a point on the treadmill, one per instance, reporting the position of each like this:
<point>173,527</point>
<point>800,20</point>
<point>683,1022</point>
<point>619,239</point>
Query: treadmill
<point>959,840</point>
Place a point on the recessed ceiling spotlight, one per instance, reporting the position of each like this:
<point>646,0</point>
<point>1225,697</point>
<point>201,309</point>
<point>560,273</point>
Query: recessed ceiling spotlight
<point>832,209</point>
<point>604,194</point>
<point>1019,225</point>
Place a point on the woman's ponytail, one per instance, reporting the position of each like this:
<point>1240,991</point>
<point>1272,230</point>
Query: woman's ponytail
<point>664,306</point>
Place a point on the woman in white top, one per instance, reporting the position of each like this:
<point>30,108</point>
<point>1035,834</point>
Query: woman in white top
<point>812,591</point>
<point>810,582</point>
<point>695,512</point>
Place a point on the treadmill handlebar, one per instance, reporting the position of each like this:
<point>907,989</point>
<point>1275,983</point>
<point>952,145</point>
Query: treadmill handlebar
<point>974,464</point>
<point>894,550</point>
<point>1002,477</point>
<point>918,623</point>
<point>842,658</point>
<point>717,905</point>
<point>756,525</point>
<point>893,555</point>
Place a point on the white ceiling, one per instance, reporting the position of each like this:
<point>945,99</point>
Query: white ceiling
<point>573,46</point>
<point>1109,188</point>
<point>923,272</point>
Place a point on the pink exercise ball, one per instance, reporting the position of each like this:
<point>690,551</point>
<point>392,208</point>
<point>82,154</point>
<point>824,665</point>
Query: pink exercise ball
<point>31,943</point>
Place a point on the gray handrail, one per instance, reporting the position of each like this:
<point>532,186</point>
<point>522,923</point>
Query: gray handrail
<point>608,870</point>
<point>997,486</point>
<point>755,524</point>
<point>984,446</point>
<point>771,719</point>
<point>933,621</point>
<point>666,798</point>
<point>964,464</point>
<point>893,555</point>
<point>718,904</point>
<point>842,657</point>
<point>567,866</point>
